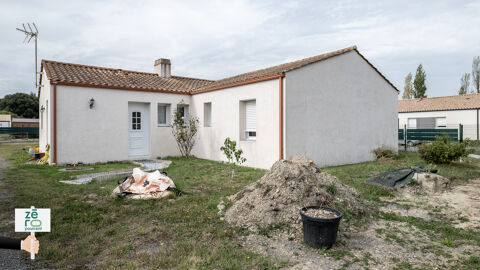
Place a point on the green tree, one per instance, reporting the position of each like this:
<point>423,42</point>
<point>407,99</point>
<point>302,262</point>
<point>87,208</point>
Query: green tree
<point>408,88</point>
<point>464,84</point>
<point>476,74</point>
<point>21,104</point>
<point>419,83</point>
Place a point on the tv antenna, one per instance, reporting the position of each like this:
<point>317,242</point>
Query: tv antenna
<point>31,32</point>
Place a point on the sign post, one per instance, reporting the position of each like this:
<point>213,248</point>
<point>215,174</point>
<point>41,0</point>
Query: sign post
<point>32,220</point>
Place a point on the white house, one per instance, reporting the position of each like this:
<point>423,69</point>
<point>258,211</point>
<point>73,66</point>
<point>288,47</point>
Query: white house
<point>442,112</point>
<point>335,108</point>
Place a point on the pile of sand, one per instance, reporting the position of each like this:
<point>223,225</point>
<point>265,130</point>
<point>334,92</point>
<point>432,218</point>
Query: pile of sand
<point>288,186</point>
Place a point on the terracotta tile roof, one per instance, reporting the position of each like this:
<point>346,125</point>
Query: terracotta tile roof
<point>61,72</point>
<point>275,70</point>
<point>458,102</point>
<point>83,75</point>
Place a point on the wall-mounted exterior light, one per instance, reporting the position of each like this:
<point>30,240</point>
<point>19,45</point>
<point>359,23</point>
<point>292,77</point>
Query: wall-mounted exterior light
<point>92,103</point>
<point>42,109</point>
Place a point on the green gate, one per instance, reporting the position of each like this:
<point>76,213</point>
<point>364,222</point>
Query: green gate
<point>430,134</point>
<point>19,130</point>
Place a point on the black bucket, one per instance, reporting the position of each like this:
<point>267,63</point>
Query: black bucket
<point>320,232</point>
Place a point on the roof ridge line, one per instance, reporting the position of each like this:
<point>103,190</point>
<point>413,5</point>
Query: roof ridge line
<point>97,67</point>
<point>458,95</point>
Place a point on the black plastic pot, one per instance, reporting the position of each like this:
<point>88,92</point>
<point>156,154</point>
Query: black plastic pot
<point>320,232</point>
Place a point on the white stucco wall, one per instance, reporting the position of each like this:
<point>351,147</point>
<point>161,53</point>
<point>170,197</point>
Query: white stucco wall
<point>262,152</point>
<point>101,134</point>
<point>339,110</point>
<point>45,121</point>
<point>466,117</point>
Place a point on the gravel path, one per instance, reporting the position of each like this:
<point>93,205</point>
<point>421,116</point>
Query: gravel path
<point>10,259</point>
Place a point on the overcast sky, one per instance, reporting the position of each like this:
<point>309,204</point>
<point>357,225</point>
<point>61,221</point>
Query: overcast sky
<point>216,39</point>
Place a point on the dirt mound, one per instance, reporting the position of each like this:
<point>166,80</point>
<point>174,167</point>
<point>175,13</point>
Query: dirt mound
<point>432,183</point>
<point>289,185</point>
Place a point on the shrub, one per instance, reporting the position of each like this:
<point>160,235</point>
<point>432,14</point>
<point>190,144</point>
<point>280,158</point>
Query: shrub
<point>384,152</point>
<point>184,131</point>
<point>233,154</point>
<point>443,150</point>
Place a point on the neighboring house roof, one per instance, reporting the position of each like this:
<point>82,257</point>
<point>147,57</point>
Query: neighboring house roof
<point>5,117</point>
<point>24,120</point>
<point>83,75</point>
<point>448,103</point>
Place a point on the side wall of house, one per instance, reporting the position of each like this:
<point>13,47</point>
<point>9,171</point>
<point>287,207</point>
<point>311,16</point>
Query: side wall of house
<point>453,118</point>
<point>339,110</point>
<point>45,117</point>
<point>226,121</point>
<point>101,134</point>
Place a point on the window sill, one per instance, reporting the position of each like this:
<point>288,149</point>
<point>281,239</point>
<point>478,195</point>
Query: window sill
<point>163,125</point>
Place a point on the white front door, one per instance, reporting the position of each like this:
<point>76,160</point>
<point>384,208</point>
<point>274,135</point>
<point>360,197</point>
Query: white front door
<point>138,129</point>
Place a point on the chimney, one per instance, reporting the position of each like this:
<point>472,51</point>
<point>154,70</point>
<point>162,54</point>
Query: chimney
<point>162,67</point>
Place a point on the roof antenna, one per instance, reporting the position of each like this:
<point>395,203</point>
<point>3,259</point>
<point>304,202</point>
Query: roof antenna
<point>31,33</point>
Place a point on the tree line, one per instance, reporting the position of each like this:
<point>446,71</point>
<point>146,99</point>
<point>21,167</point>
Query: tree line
<point>469,82</point>
<point>20,105</point>
<point>417,88</point>
<point>475,76</point>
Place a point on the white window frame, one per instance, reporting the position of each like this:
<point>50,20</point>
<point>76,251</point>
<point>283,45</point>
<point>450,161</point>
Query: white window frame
<point>250,132</point>
<point>409,123</point>
<point>167,114</point>
<point>444,122</point>
<point>207,114</point>
<point>136,120</point>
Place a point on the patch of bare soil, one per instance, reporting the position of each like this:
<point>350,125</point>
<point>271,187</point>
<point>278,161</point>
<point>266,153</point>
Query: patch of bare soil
<point>435,197</point>
<point>382,244</point>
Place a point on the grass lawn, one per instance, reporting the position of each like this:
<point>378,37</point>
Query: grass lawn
<point>92,228</point>
<point>5,137</point>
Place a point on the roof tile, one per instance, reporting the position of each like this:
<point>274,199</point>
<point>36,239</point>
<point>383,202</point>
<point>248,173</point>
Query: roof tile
<point>100,76</point>
<point>458,102</point>
<point>66,73</point>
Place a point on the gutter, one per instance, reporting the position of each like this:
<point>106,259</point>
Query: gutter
<point>280,115</point>
<point>54,123</point>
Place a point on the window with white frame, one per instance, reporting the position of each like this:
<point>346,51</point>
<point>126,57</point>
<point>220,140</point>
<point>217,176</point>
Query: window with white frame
<point>207,114</point>
<point>412,123</point>
<point>136,120</point>
<point>441,122</point>
<point>250,120</point>
<point>163,114</point>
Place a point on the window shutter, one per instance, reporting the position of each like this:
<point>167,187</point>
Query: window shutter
<point>250,116</point>
<point>441,122</point>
